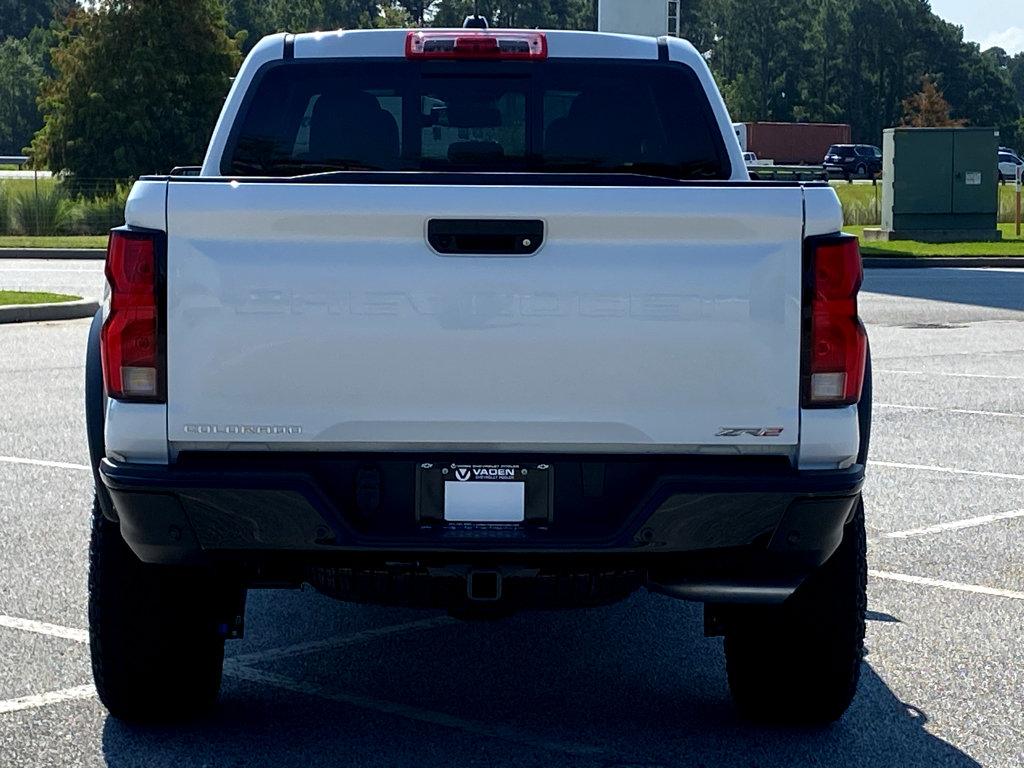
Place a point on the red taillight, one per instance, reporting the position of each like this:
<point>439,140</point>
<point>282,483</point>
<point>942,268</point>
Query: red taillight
<point>132,351</point>
<point>835,343</point>
<point>475,44</point>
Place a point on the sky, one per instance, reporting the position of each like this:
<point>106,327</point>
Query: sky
<point>988,22</point>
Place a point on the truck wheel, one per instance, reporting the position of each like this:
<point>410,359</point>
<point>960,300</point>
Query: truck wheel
<point>862,170</point>
<point>157,650</point>
<point>800,663</point>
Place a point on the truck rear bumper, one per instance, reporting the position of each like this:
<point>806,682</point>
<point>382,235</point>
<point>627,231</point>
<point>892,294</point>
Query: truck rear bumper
<point>703,529</point>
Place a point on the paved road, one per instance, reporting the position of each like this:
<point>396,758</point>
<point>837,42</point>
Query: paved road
<point>631,684</point>
<point>24,173</point>
<point>79,277</point>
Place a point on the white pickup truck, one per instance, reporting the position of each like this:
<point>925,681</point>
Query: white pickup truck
<point>752,161</point>
<point>481,321</point>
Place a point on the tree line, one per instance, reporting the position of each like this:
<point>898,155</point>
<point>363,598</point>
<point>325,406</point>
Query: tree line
<point>117,88</point>
<point>852,61</point>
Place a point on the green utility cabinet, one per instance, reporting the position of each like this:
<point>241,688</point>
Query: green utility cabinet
<point>939,184</point>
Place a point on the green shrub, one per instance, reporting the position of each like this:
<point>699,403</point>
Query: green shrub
<point>5,213</point>
<point>45,211</point>
<point>96,215</point>
<point>861,203</point>
<point>859,212</point>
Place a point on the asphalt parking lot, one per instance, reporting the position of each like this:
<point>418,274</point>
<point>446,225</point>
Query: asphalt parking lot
<point>322,683</point>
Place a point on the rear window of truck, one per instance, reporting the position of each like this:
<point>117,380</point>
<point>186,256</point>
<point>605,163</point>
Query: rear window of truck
<point>578,116</point>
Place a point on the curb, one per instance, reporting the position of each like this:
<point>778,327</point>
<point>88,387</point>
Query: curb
<point>920,262</point>
<point>53,253</point>
<point>27,313</point>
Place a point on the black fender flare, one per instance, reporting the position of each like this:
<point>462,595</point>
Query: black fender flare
<point>95,413</point>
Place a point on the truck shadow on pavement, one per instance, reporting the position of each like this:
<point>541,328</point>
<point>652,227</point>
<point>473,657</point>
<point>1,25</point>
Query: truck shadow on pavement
<point>631,684</point>
<point>1001,289</point>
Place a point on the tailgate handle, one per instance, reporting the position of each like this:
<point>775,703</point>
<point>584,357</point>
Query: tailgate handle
<point>489,237</point>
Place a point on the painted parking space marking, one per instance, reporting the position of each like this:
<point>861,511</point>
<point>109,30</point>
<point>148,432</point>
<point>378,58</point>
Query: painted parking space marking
<point>80,635</point>
<point>233,667</point>
<point>946,374</point>
<point>971,412</point>
<point>44,463</point>
<point>44,628</point>
<point>948,354</point>
<point>84,692</point>
<point>946,584</point>
<point>493,731</point>
<point>54,269</point>
<point>965,523</point>
<point>362,636</point>
<point>950,470</point>
<point>43,369</point>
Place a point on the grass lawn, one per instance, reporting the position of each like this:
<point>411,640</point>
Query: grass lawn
<point>862,203</point>
<point>34,297</point>
<point>56,241</point>
<point>12,186</point>
<point>1011,245</point>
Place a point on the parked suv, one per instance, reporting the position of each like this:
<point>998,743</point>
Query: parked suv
<point>853,159</point>
<point>1008,163</point>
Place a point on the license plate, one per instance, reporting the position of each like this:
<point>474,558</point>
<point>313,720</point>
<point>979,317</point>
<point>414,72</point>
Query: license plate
<point>458,493</point>
<point>485,501</point>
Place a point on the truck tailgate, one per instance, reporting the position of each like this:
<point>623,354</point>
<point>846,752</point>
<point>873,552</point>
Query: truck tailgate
<point>317,317</point>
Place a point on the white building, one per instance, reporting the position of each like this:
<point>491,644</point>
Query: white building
<point>639,17</point>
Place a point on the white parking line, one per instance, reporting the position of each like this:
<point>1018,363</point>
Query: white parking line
<point>951,470</point>
<point>970,354</point>
<point>83,692</point>
<point>965,523</point>
<point>494,731</point>
<point>946,373</point>
<point>362,636</point>
<point>97,270</point>
<point>929,582</point>
<point>44,463</point>
<point>972,412</point>
<point>231,664</point>
<point>233,667</point>
<point>44,628</point>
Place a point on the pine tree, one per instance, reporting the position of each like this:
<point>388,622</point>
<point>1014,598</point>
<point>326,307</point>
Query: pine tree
<point>19,17</point>
<point>21,71</point>
<point>928,108</point>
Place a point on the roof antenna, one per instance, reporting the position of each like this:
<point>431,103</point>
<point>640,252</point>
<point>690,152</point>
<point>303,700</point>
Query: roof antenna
<point>476,21</point>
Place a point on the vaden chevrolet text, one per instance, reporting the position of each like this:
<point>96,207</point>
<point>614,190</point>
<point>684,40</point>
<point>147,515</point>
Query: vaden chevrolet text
<point>484,321</point>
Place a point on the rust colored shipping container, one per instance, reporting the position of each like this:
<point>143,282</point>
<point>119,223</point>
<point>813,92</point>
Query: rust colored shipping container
<point>792,143</point>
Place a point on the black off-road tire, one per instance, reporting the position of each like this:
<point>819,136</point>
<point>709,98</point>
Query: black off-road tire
<point>800,663</point>
<point>157,649</point>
